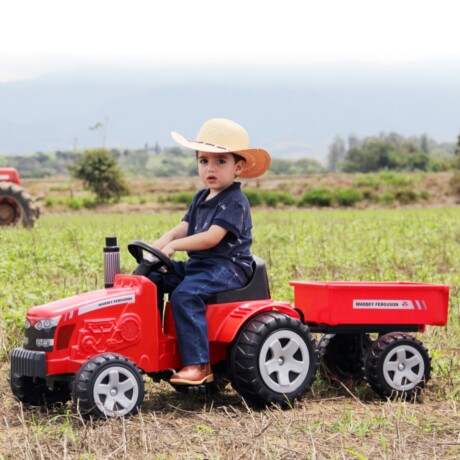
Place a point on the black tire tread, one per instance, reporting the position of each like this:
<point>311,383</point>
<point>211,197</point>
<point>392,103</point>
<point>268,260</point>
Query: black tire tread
<point>28,210</point>
<point>343,367</point>
<point>244,371</point>
<point>82,386</point>
<point>36,393</point>
<point>376,353</point>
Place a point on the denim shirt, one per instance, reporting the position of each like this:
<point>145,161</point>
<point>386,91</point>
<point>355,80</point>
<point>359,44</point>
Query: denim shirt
<point>229,210</point>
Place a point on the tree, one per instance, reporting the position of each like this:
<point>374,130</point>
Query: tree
<point>336,154</point>
<point>100,173</point>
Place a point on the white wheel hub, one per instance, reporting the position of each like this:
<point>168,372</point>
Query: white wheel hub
<point>403,367</point>
<point>284,361</point>
<point>115,391</point>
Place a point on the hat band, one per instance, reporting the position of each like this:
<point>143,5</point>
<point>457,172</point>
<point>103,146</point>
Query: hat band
<point>211,145</point>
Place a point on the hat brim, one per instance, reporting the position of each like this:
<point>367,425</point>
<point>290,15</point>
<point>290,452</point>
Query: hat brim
<point>257,161</point>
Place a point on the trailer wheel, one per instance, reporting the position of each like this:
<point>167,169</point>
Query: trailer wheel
<point>273,360</point>
<point>108,385</point>
<point>397,365</point>
<point>343,355</point>
<point>35,392</point>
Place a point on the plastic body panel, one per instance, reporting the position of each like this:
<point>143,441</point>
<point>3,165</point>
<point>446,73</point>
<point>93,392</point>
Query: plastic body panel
<point>125,320</point>
<point>9,175</point>
<point>344,303</point>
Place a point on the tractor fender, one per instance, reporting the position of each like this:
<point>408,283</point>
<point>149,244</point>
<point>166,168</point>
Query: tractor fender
<point>226,320</point>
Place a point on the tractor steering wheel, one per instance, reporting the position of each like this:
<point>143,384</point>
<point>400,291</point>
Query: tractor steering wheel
<point>153,261</point>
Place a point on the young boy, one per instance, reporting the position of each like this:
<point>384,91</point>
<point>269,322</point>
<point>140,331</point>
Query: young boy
<point>216,233</point>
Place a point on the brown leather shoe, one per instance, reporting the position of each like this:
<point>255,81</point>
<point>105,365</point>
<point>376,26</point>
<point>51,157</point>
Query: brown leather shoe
<point>196,374</point>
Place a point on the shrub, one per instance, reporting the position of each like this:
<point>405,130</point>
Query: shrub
<point>74,203</point>
<point>369,195</point>
<point>317,197</point>
<point>424,195</point>
<point>271,198</point>
<point>396,180</point>
<point>286,198</point>
<point>100,173</point>
<point>347,196</point>
<point>254,197</point>
<point>367,181</point>
<point>406,196</point>
<point>88,202</point>
<point>387,198</point>
<point>178,198</point>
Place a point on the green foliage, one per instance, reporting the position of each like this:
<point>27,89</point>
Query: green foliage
<point>387,198</point>
<point>406,196</point>
<point>254,197</point>
<point>100,172</point>
<point>367,180</point>
<point>317,197</point>
<point>392,152</point>
<point>184,198</point>
<point>347,196</point>
<point>394,179</point>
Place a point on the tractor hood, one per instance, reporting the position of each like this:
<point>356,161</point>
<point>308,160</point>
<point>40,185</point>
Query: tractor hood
<point>81,304</point>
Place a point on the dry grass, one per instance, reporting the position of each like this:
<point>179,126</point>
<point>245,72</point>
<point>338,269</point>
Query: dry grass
<point>327,424</point>
<point>330,423</point>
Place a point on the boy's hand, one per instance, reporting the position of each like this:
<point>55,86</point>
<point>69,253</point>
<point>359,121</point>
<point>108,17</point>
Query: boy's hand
<point>168,250</point>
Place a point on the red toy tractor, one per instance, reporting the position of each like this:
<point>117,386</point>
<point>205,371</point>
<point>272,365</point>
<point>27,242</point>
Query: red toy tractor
<point>96,347</point>
<point>16,205</point>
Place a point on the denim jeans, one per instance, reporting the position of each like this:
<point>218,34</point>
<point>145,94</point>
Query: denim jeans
<point>190,285</point>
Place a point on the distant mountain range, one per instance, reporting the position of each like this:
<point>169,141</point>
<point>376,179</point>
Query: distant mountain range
<point>293,115</point>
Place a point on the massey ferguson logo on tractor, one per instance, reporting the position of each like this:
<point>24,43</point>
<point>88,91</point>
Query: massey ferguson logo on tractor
<point>106,303</point>
<point>389,304</point>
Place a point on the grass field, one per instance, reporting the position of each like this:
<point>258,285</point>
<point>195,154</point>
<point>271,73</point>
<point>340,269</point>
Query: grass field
<point>63,256</point>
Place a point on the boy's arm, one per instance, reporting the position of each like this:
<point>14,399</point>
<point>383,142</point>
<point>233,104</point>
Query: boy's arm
<point>179,231</point>
<point>197,242</point>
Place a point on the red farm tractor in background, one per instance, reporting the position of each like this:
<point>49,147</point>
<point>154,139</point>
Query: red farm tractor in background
<point>16,205</point>
<point>97,347</point>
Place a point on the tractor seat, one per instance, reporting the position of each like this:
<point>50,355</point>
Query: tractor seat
<point>256,289</point>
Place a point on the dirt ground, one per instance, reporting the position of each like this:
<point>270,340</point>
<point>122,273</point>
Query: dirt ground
<point>326,424</point>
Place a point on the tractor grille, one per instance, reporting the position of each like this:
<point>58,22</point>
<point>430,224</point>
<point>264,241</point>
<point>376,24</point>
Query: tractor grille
<point>42,340</point>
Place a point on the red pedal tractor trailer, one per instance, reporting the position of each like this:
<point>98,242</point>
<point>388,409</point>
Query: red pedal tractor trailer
<point>97,347</point>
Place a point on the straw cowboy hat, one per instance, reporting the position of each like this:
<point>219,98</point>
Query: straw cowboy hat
<point>221,135</point>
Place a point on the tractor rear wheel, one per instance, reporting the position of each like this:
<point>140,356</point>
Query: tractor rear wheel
<point>273,360</point>
<point>16,205</point>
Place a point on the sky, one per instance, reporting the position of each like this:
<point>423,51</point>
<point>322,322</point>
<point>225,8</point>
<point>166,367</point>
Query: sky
<point>40,37</point>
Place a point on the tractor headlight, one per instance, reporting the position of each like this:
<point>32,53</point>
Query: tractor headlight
<point>26,324</point>
<point>47,323</point>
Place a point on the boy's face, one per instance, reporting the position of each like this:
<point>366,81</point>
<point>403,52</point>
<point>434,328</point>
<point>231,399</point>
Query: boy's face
<point>217,170</point>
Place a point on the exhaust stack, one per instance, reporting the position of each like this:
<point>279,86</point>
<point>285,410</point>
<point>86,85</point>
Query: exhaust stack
<point>111,260</point>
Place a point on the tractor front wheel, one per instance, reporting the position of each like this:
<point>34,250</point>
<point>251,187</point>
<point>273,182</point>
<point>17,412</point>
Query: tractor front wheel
<point>273,360</point>
<point>108,385</point>
<point>35,392</point>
